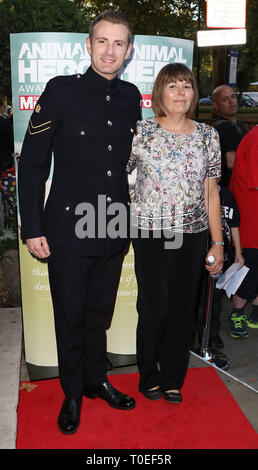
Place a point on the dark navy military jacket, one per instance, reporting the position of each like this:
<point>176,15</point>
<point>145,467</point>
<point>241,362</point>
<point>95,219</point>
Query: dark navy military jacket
<point>87,123</point>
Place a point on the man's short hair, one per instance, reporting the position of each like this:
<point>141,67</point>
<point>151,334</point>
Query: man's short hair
<point>115,17</point>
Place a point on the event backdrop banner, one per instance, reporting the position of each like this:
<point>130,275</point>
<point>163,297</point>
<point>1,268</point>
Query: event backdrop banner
<point>35,59</point>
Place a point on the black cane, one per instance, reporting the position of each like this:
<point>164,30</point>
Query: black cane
<point>212,356</point>
<point>205,352</point>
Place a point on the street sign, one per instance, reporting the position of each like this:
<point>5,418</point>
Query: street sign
<point>233,57</point>
<point>221,37</point>
<point>226,13</point>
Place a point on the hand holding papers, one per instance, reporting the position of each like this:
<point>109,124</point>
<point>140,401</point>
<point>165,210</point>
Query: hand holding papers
<point>232,278</point>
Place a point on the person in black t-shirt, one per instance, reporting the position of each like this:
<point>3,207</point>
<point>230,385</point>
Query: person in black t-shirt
<point>232,253</point>
<point>231,130</point>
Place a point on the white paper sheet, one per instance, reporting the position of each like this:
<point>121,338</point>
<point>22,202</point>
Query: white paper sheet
<point>232,278</point>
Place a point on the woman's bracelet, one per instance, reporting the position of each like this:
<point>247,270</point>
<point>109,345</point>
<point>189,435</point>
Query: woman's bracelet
<point>218,243</point>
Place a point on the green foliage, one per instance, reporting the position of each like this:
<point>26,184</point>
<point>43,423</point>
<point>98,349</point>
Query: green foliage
<point>248,53</point>
<point>19,16</point>
<point>181,19</point>
<point>164,18</point>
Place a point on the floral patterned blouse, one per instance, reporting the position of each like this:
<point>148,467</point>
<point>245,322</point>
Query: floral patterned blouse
<point>170,170</point>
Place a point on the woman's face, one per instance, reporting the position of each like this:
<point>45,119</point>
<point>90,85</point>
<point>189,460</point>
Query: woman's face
<point>177,97</point>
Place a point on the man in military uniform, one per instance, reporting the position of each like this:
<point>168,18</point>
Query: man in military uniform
<point>88,122</point>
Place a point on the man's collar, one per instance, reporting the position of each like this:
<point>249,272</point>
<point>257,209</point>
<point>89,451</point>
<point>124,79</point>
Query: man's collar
<point>219,117</point>
<point>99,81</point>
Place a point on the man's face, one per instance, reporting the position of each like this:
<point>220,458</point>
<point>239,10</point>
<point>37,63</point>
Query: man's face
<point>108,48</point>
<point>225,102</point>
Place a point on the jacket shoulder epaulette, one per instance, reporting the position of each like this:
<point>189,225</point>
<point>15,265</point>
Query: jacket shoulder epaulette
<point>60,80</point>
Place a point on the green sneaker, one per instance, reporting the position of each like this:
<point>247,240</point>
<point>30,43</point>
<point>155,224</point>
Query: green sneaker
<point>237,329</point>
<point>252,323</point>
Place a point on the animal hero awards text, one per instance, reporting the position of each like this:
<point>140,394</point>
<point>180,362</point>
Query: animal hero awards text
<point>39,61</point>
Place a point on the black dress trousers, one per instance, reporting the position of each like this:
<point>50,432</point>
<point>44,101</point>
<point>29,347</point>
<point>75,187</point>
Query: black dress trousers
<point>83,292</point>
<point>168,286</point>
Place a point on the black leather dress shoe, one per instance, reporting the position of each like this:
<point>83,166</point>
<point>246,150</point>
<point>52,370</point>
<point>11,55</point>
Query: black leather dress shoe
<point>173,397</point>
<point>113,397</point>
<point>153,394</point>
<point>69,417</point>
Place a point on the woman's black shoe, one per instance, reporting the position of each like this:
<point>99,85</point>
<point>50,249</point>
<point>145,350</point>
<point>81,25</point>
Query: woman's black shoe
<point>69,417</point>
<point>173,397</point>
<point>153,394</point>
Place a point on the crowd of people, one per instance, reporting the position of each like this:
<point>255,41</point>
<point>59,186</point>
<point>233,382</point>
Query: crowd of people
<point>175,211</point>
<point>239,212</point>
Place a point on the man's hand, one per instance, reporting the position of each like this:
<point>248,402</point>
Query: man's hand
<point>38,247</point>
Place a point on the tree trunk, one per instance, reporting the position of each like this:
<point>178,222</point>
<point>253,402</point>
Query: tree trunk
<point>219,59</point>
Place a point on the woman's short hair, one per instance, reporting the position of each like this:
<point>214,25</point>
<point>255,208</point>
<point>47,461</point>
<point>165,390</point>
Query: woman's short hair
<point>115,17</point>
<point>169,73</point>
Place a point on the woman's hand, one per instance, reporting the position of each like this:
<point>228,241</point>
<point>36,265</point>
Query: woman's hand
<point>217,252</point>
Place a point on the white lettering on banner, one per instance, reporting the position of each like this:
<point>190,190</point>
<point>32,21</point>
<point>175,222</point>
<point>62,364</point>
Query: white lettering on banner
<point>44,69</point>
<point>39,62</point>
<point>28,103</point>
<point>146,101</point>
<point>157,53</point>
<point>35,89</point>
<point>145,87</point>
<point>53,50</point>
<point>142,70</point>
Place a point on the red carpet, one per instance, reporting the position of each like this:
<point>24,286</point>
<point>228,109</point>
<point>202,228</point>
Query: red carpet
<point>208,418</point>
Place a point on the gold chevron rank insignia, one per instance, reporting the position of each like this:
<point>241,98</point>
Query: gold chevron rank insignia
<point>38,129</point>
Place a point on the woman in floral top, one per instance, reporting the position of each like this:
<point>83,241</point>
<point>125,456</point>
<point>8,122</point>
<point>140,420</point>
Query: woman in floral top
<point>175,200</point>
